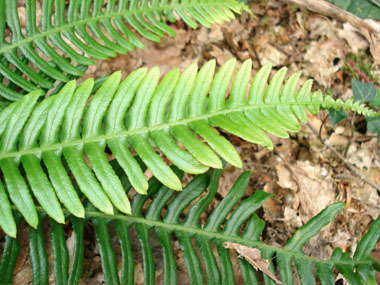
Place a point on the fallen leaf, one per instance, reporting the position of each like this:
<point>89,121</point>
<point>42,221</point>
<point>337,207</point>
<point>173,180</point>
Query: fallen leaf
<point>285,179</point>
<point>316,191</point>
<point>353,36</point>
<point>253,256</point>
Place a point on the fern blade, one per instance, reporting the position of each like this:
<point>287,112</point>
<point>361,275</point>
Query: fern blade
<point>148,259</point>
<point>128,265</point>
<point>61,255</point>
<point>77,262</point>
<point>325,273</point>
<point>107,178</point>
<point>285,263</point>
<point>191,258</point>
<point>192,218</point>
<point>258,118</point>
<point>244,211</point>
<point>160,169</point>
<point>216,142</point>
<point>7,221</point>
<point>200,151</point>
<point>42,188</point>
<point>367,243</point>
<point>17,79</point>
<point>38,255</point>
<point>9,256</point>
<point>129,165</point>
<point>222,210</point>
<point>23,66</point>
<point>87,181</point>
<point>304,268</point>
<point>367,273</point>
<point>180,158</point>
<point>107,254</point>
<point>170,264</point>
<point>347,270</point>
<point>62,184</point>
<point>228,276</point>
<point>189,193</point>
<point>213,275</point>
<point>18,191</point>
<point>310,229</point>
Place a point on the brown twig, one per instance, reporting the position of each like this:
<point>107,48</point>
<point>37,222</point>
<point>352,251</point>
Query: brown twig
<point>325,8</point>
<point>320,128</point>
<point>352,135</point>
<point>345,162</point>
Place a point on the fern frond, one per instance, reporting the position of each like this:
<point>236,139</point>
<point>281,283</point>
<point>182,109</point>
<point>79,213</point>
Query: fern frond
<point>59,133</point>
<point>95,31</point>
<point>242,226</point>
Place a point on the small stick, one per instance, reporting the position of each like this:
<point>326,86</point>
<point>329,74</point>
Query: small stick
<point>352,135</point>
<point>345,162</point>
<point>328,9</point>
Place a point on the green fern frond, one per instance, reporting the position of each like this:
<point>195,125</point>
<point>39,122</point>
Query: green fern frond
<point>142,114</point>
<point>196,241</point>
<point>112,29</point>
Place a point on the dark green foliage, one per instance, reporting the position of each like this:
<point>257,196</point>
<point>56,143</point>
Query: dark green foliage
<point>361,8</point>
<point>363,92</point>
<point>336,116</point>
<point>242,226</point>
<point>373,124</point>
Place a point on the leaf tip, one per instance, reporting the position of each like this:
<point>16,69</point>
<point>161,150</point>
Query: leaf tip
<point>11,231</point>
<point>80,213</point>
<point>109,210</point>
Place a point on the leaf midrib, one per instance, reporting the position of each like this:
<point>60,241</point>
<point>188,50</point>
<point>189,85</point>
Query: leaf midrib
<point>209,235</point>
<point>79,22</point>
<point>128,133</point>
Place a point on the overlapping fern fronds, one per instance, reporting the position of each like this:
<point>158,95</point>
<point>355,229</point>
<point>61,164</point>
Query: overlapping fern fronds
<point>240,225</point>
<point>49,141</point>
<point>98,29</point>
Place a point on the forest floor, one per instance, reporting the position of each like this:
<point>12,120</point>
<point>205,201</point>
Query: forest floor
<point>302,172</point>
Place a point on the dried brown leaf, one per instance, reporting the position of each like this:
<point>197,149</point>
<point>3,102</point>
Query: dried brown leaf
<point>253,256</point>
